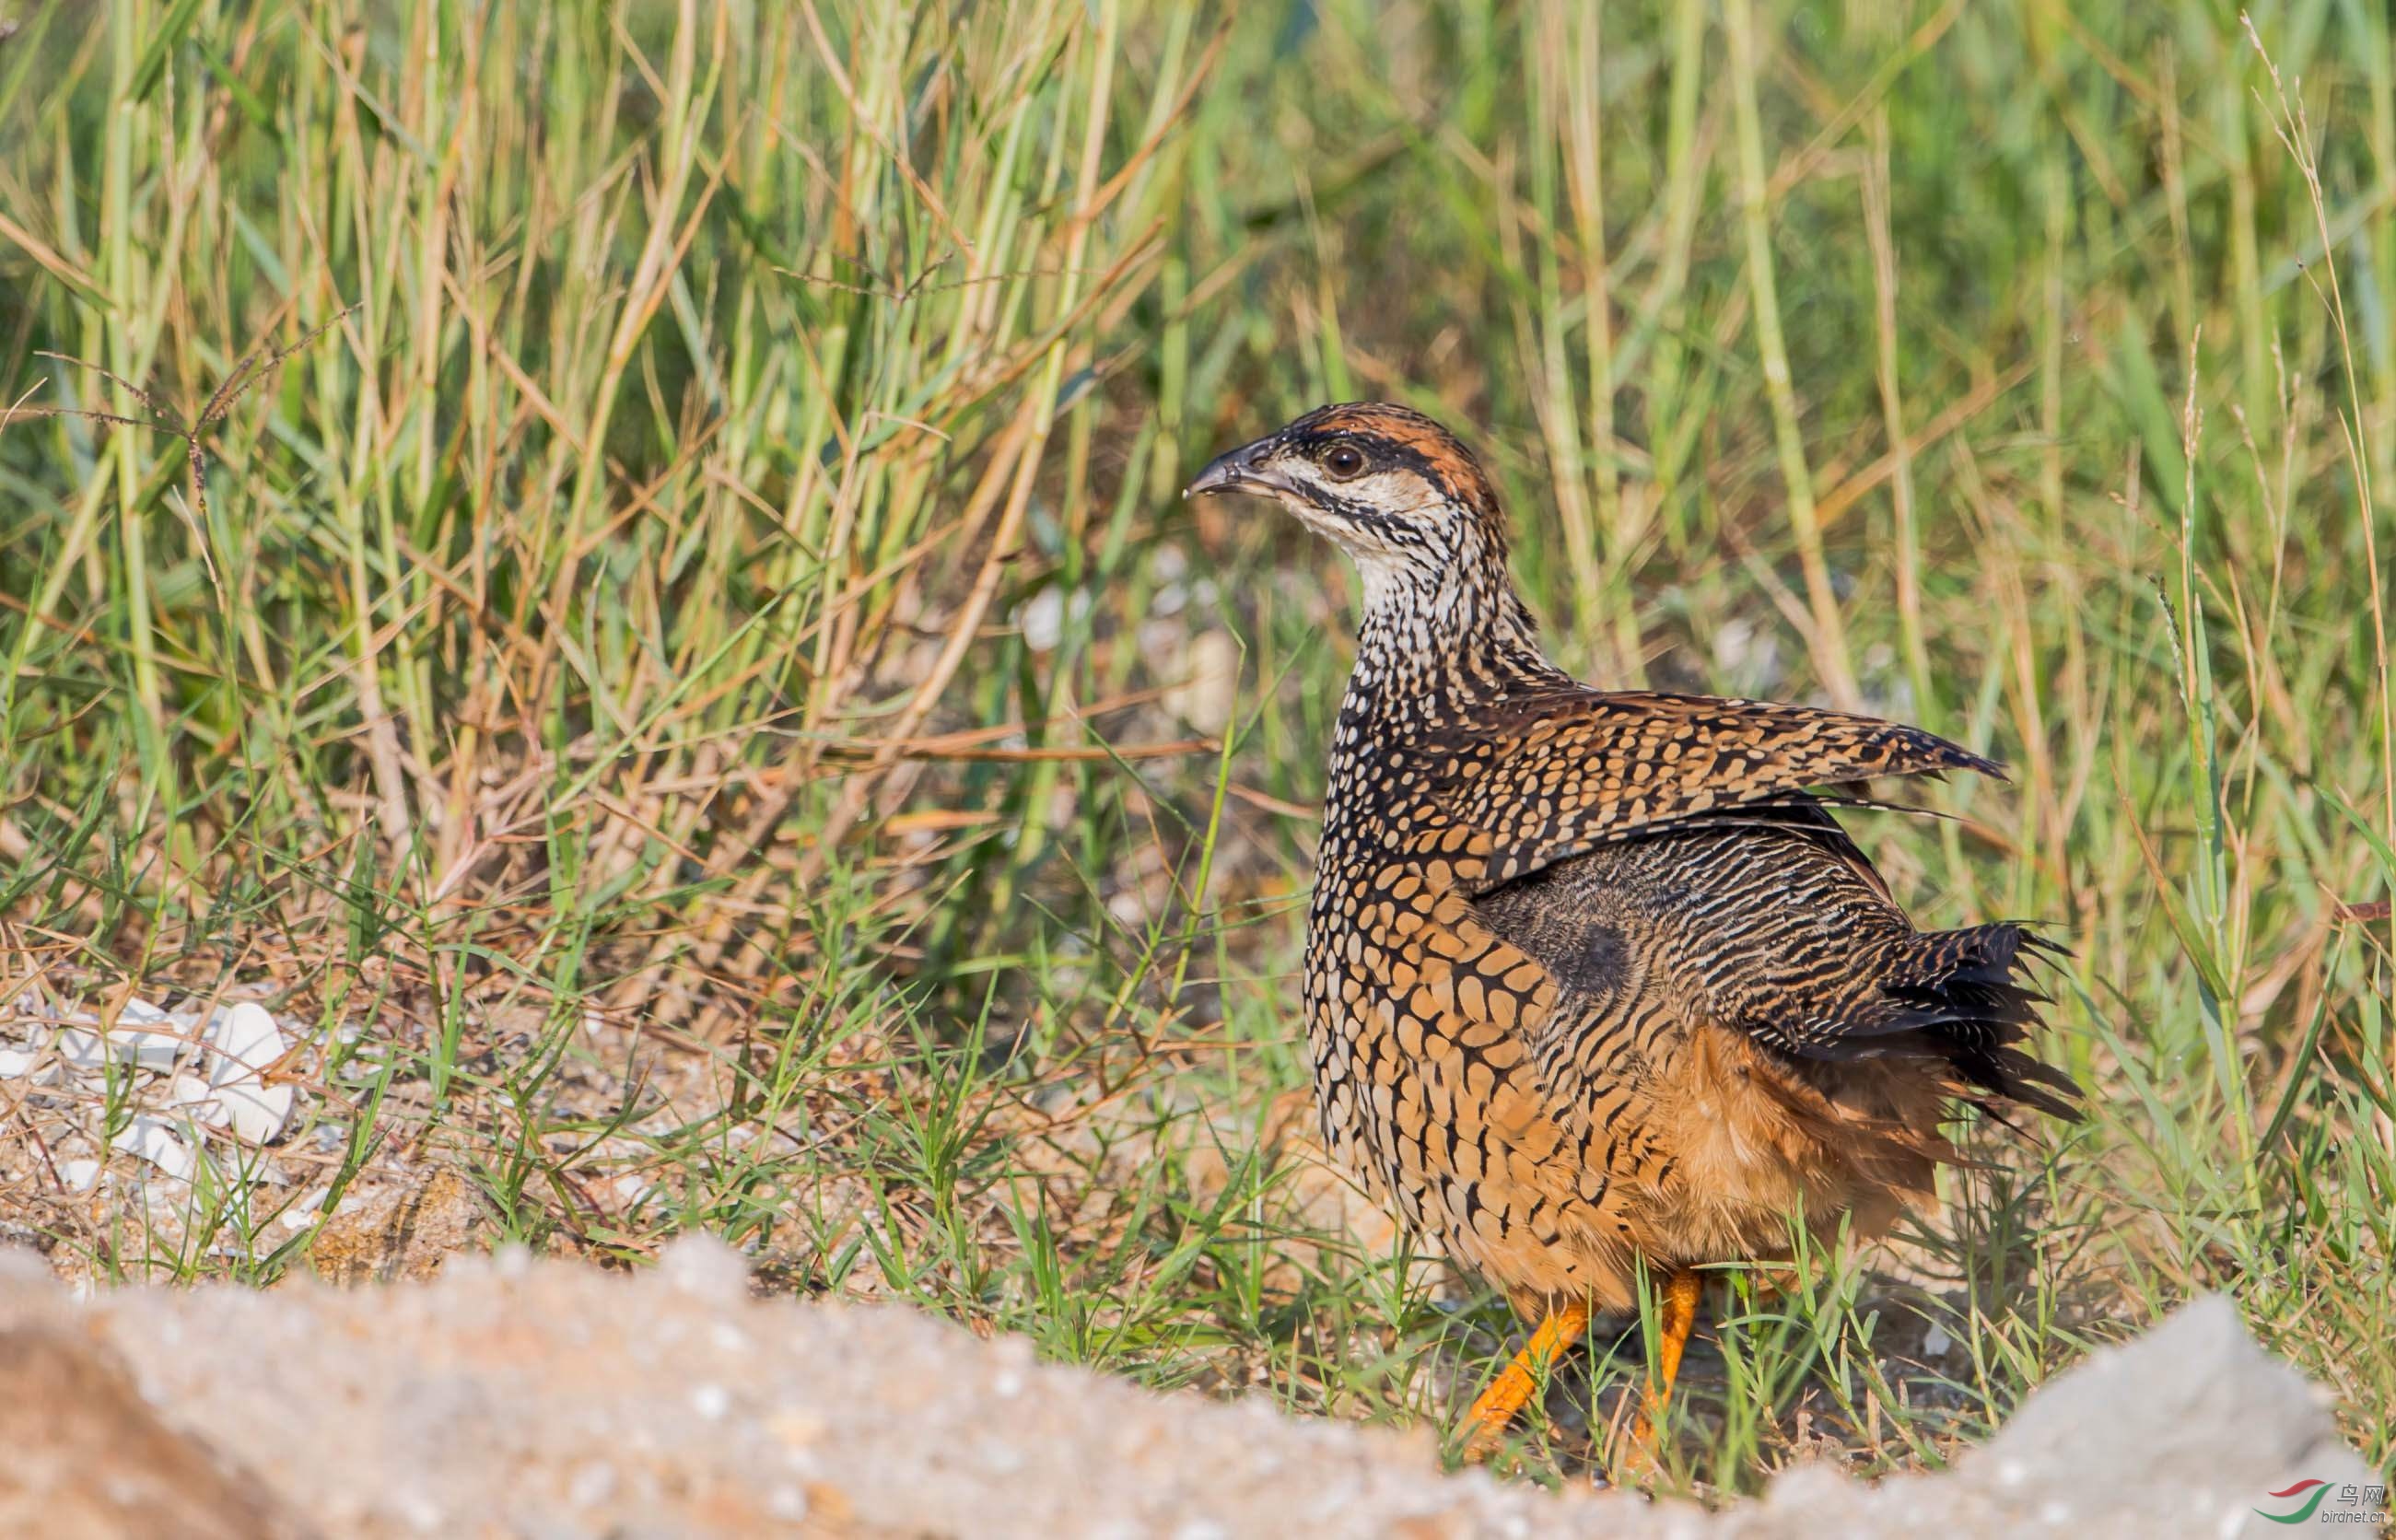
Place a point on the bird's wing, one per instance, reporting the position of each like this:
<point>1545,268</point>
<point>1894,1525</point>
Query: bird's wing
<point>1547,776</point>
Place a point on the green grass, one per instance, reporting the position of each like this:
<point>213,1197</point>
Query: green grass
<point>697,690</point>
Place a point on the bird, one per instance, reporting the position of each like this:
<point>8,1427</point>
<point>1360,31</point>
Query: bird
<point>1597,988</point>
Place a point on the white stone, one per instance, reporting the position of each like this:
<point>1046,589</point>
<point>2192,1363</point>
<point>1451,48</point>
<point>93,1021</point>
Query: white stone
<point>244,1042</point>
<point>152,1140</point>
<point>197,1099</point>
<point>306,1209</point>
<point>131,1041</point>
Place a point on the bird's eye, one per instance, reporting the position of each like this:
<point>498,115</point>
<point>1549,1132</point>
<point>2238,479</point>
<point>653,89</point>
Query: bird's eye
<point>1343,461</point>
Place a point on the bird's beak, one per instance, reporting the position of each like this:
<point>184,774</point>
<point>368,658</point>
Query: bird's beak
<point>1243,470</point>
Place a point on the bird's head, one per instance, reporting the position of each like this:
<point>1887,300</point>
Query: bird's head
<point>1393,489</point>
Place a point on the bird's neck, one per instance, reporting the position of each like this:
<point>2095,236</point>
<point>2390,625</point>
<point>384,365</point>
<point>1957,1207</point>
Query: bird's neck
<point>1435,644</point>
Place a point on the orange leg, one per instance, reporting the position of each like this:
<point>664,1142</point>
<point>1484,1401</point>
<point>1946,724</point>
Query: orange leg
<point>1496,1406</point>
<point>1683,1288</point>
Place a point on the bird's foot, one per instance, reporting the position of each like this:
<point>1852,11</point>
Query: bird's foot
<point>1493,1411</point>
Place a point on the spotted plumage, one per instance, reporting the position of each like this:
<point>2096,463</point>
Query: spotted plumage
<point>1594,976</point>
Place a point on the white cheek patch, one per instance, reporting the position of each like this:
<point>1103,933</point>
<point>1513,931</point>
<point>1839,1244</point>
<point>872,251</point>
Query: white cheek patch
<point>1398,492</point>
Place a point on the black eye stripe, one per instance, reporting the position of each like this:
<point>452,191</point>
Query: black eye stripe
<point>1381,454</point>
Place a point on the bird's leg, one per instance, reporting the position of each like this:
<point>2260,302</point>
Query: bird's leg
<point>1496,1406</point>
<point>1683,1288</point>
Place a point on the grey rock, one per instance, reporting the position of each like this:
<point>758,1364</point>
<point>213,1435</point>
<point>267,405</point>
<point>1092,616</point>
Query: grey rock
<point>2186,1431</point>
<point>549,1399</point>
